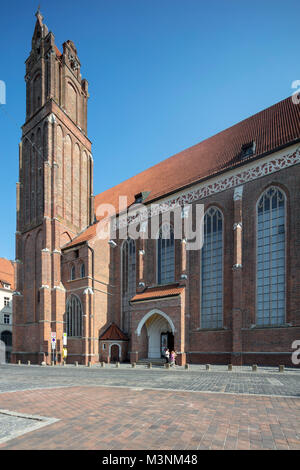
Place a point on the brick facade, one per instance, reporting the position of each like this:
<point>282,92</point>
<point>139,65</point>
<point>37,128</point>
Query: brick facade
<point>57,234</point>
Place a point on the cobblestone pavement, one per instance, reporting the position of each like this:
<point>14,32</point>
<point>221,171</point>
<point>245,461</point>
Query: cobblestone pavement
<point>124,408</point>
<point>265,382</point>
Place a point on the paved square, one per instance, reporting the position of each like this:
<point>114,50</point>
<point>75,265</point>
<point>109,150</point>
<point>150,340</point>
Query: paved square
<point>95,410</point>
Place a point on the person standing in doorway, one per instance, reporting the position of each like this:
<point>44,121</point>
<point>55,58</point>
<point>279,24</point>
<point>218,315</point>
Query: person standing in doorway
<point>167,355</point>
<point>172,358</point>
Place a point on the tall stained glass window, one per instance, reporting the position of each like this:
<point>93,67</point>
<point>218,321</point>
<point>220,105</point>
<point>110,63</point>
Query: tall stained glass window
<point>270,262</point>
<point>165,255</point>
<point>74,316</point>
<point>212,270</point>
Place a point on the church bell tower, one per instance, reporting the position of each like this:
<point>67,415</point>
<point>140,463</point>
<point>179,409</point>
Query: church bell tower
<point>54,192</point>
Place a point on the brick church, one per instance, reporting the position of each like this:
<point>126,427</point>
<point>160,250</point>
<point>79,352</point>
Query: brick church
<point>234,300</point>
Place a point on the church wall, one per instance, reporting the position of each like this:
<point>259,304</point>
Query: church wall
<point>104,290</point>
<point>216,346</point>
<point>95,293</point>
<point>272,339</point>
<point>254,339</point>
<point>76,347</point>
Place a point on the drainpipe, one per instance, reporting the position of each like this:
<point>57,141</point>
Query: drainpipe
<point>93,280</point>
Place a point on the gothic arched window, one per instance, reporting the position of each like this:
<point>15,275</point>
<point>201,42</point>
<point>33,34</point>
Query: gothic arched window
<point>212,270</point>
<point>165,255</point>
<point>82,270</point>
<point>128,279</point>
<point>74,316</point>
<point>72,273</point>
<point>270,258</point>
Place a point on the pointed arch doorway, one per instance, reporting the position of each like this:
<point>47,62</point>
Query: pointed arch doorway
<point>160,332</point>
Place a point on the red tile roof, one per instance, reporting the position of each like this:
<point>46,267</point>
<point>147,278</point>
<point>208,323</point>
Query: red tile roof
<point>57,51</point>
<point>113,332</point>
<point>270,129</point>
<point>7,272</point>
<point>84,236</point>
<point>158,292</point>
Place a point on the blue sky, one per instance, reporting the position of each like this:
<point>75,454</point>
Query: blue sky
<point>163,75</point>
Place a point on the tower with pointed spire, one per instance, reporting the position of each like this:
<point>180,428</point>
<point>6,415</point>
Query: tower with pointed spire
<point>55,188</point>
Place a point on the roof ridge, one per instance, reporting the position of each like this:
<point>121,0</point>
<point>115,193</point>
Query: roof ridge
<point>195,146</point>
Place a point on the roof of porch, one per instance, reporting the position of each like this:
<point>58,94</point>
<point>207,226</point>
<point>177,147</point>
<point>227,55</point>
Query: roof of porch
<point>113,332</point>
<point>158,292</point>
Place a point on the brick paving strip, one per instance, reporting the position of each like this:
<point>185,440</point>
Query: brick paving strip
<point>120,418</point>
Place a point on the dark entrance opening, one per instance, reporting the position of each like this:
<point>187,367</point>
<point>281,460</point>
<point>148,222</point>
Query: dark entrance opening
<point>114,353</point>
<point>167,341</point>
<point>6,338</point>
